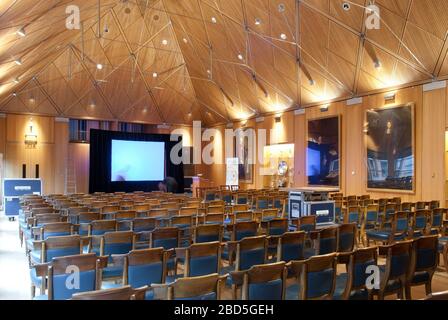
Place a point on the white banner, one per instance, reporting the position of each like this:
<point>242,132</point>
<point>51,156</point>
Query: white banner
<point>232,172</point>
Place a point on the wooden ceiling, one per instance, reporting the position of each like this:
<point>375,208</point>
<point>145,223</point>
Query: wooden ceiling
<point>174,61</point>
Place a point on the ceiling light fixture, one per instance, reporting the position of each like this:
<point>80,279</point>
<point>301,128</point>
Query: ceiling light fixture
<point>21,32</point>
<point>240,56</point>
<point>257,21</point>
<point>214,20</point>
<point>185,40</point>
<point>155,75</point>
<point>377,64</point>
<point>18,62</point>
<point>99,66</point>
<point>281,7</point>
<point>14,94</point>
<point>346,6</point>
<point>283,36</point>
<point>16,80</point>
<point>164,42</point>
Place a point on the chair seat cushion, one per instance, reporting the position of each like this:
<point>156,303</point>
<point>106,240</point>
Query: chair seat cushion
<point>380,235</point>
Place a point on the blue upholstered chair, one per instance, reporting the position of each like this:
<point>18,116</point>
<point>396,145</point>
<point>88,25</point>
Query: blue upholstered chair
<point>62,269</point>
<point>243,216</point>
<point>265,282</point>
<point>44,251</point>
<point>226,196</point>
<point>241,198</point>
<point>262,203</point>
<point>100,227</point>
<point>389,211</point>
<point>316,278</point>
<point>436,220</point>
<point>145,268</point>
<point>196,288</point>
<point>353,215</point>
<point>326,242</point>
<point>113,243</point>
<point>407,206</point>
<point>214,218</point>
<point>241,230</point>
<point>420,220</point>
<point>207,233</point>
<point>347,237</point>
<point>168,239</point>
<point>306,223</point>
<point>353,284</point>
<point>435,204</point>
<point>424,262</point>
<point>210,195</point>
<point>249,252</point>
<point>338,211</point>
<point>398,231</point>
<point>395,271</point>
<point>291,246</point>
<point>83,219</point>
<point>202,259</point>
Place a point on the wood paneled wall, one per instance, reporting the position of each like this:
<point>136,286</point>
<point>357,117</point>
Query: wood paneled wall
<point>431,121</point>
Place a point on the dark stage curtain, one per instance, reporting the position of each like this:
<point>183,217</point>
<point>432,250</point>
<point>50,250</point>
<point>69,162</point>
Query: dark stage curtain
<point>100,162</point>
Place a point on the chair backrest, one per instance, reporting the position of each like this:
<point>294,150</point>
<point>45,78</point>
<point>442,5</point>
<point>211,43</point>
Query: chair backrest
<point>188,211</point>
<point>196,288</point>
<point>209,195</point>
<point>406,206</point>
<point>208,233</point>
<point>145,267</point>
<point>182,222</point>
<point>226,196</point>
<point>56,229</point>
<point>202,259</point>
<point>434,204</point>
<point>424,256</point>
<point>347,234</point>
<point>143,224</point>
<point>118,242</point>
<point>100,227</point>
<point>327,241</point>
<point>291,246</point>
<point>142,207</point>
<point>215,209</point>
<point>122,293</point>
<point>262,202</point>
<point>277,227</point>
<point>167,238</point>
<point>359,261</point>
<point>214,218</point>
<point>87,217</point>
<point>306,223</point>
<point>420,220</point>
<point>400,222</point>
<point>371,215</point>
<point>250,251</point>
<point>110,209</point>
<point>242,198</point>
<point>58,247</point>
<point>125,215</point>
<point>437,217</point>
<point>158,213</point>
<point>420,205</point>
<point>398,258</point>
<point>265,282</point>
<point>61,268</point>
<point>318,277</point>
<point>269,214</point>
<point>241,216</point>
<point>353,215</point>
<point>244,229</point>
<point>240,208</point>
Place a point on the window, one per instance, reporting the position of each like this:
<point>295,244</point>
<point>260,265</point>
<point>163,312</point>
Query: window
<point>80,129</point>
<point>131,127</point>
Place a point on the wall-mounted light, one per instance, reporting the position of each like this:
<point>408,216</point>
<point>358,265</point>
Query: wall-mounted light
<point>389,97</point>
<point>31,136</point>
<point>324,108</point>
<point>278,119</point>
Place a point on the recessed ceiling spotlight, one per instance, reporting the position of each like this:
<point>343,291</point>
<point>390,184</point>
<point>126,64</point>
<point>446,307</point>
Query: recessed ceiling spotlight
<point>164,42</point>
<point>281,7</point>
<point>16,80</point>
<point>214,20</point>
<point>99,66</point>
<point>346,6</point>
<point>240,56</point>
<point>14,94</point>
<point>257,21</point>
<point>18,62</point>
<point>92,105</point>
<point>312,82</point>
<point>185,40</point>
<point>145,110</point>
<point>32,100</point>
<point>377,64</point>
<point>106,29</point>
<point>283,36</point>
<point>155,75</point>
<point>21,32</point>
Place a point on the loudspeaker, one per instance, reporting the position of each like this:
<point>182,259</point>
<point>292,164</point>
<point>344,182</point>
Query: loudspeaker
<point>37,171</point>
<point>24,171</point>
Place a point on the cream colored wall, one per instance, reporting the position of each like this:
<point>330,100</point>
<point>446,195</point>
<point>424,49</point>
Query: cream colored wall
<point>431,120</point>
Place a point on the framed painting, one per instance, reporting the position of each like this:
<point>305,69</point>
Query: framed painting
<point>244,151</point>
<point>390,148</point>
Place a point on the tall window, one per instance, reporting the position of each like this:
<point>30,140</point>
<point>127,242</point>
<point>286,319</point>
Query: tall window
<point>131,127</point>
<point>80,129</point>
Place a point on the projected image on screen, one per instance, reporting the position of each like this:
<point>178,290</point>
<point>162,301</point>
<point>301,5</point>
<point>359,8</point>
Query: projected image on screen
<point>322,156</point>
<point>137,161</point>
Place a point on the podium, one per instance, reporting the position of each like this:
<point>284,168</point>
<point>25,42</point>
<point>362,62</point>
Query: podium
<point>200,184</point>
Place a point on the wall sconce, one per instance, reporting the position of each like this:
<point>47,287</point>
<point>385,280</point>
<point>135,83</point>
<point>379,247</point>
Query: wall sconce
<point>324,108</point>
<point>389,97</point>
<point>30,136</point>
<point>278,119</point>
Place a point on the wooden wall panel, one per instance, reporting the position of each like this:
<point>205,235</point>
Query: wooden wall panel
<point>81,155</point>
<point>433,148</point>
<point>299,151</point>
<point>61,155</point>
